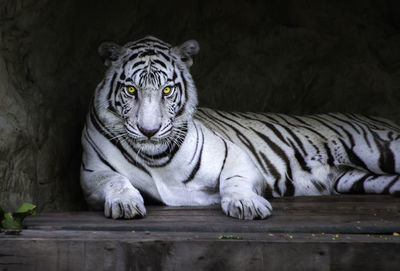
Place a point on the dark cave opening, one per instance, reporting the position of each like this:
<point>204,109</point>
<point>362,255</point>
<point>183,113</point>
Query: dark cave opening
<point>295,57</point>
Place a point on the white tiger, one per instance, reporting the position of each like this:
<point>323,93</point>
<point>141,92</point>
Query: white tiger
<point>143,136</point>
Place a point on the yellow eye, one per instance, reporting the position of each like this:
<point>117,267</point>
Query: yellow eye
<point>166,90</point>
<point>131,89</point>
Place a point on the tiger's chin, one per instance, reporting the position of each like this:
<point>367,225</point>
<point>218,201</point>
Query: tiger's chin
<point>152,146</point>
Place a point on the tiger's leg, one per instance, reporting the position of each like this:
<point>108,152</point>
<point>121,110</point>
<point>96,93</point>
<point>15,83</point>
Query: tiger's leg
<point>363,182</point>
<point>241,186</point>
<point>113,192</point>
<point>105,188</point>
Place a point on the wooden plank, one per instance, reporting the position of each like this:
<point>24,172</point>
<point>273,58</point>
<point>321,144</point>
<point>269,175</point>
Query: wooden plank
<point>348,214</point>
<point>314,233</point>
<point>296,224</point>
<point>146,236</point>
<point>73,250</point>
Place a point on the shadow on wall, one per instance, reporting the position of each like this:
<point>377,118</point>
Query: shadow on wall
<point>281,56</point>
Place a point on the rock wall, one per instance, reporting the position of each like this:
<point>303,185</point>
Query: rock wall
<point>304,56</point>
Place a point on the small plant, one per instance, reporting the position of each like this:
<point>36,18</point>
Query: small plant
<point>14,220</point>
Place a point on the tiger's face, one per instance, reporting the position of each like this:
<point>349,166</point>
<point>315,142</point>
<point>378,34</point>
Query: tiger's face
<point>148,94</point>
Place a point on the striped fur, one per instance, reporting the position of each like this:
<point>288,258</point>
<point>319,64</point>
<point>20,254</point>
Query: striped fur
<point>144,137</point>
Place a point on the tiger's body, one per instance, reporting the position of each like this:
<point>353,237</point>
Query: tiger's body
<point>143,135</point>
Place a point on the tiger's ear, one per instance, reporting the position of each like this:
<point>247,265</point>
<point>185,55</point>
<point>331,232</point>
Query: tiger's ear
<point>187,51</point>
<point>110,52</point>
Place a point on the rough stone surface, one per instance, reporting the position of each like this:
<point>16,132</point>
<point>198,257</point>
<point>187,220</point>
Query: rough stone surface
<point>280,56</point>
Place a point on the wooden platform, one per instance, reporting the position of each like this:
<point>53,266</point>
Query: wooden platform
<point>313,233</point>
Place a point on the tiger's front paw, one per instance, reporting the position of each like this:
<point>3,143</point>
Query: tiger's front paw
<point>254,207</point>
<point>127,205</point>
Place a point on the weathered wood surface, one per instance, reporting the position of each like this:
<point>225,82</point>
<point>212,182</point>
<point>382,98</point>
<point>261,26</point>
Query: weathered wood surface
<point>351,214</point>
<point>314,233</point>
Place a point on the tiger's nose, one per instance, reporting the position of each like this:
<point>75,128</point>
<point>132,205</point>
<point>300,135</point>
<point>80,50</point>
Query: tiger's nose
<point>148,132</point>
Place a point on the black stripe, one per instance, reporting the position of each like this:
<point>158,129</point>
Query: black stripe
<point>133,56</point>
<point>386,156</point>
<point>167,58</point>
<point>269,126</point>
<point>148,52</point>
<point>358,186</point>
<point>180,111</point>
<point>365,131</point>
<point>268,116</point>
<point>392,182</point>
<point>336,117</point>
<point>137,64</point>
<point>98,152</point>
<point>303,127</point>
<point>330,161</point>
<point>300,120</point>
<point>145,42</point>
<point>338,181</point>
<point>223,162</point>
<point>138,70</point>
<point>348,134</point>
<point>314,132</point>
<point>354,159</point>
<point>234,176</point>
<point>321,187</point>
<point>275,148</point>
<point>212,120</point>
<point>143,46</point>
<point>385,123</point>
<point>316,118</point>
<point>197,143</point>
<point>272,171</point>
<point>198,164</point>
<point>110,136</point>
<point>174,76</point>
<point>181,75</point>
<point>297,139</point>
<point>298,155</point>
<point>111,90</point>
<point>230,119</point>
<point>300,158</point>
<point>162,64</point>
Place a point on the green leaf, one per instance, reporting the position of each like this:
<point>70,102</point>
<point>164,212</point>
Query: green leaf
<point>25,210</point>
<point>10,223</point>
<point>26,207</point>
<point>14,221</point>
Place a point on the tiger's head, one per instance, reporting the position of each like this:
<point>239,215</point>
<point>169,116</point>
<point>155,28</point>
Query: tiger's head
<point>148,94</point>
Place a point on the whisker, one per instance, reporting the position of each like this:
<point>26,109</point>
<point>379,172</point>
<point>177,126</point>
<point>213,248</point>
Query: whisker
<point>118,136</point>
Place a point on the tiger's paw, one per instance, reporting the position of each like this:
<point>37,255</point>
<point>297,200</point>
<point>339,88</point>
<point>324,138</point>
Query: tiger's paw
<point>254,207</point>
<point>124,206</point>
